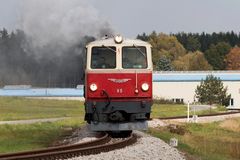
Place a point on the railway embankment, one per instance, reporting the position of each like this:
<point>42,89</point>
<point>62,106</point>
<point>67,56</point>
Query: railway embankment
<point>146,148</point>
<point>212,137</point>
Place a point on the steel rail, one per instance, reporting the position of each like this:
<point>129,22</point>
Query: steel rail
<point>203,115</point>
<point>104,138</point>
<point>70,152</point>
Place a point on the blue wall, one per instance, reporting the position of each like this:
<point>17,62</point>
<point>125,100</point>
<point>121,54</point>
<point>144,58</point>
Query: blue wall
<point>43,92</point>
<point>191,77</point>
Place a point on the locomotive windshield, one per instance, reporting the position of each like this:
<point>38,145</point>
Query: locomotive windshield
<point>134,57</point>
<point>103,57</point>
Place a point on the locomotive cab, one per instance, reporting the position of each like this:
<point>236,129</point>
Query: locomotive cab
<point>118,84</point>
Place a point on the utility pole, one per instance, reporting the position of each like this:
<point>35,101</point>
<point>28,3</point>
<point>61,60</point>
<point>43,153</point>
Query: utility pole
<point>188,110</point>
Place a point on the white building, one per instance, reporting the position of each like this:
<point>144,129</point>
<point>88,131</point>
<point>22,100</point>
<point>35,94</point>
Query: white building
<point>180,86</point>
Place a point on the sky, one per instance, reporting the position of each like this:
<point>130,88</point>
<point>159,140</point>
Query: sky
<point>132,17</point>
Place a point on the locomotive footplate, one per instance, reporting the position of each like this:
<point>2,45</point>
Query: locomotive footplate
<point>106,126</point>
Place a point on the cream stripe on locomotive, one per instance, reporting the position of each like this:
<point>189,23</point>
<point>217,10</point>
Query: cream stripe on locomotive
<point>119,55</point>
<point>104,71</point>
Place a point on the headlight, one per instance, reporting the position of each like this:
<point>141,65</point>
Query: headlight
<point>145,87</point>
<point>118,39</point>
<point>93,87</point>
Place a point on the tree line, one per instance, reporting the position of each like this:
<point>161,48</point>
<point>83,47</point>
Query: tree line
<point>47,66</point>
<point>194,51</point>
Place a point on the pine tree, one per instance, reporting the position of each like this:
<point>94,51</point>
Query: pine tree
<point>164,64</point>
<point>216,53</point>
<point>211,91</point>
<point>143,37</point>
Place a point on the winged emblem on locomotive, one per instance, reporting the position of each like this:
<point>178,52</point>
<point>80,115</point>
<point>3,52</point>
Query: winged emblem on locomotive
<point>119,80</point>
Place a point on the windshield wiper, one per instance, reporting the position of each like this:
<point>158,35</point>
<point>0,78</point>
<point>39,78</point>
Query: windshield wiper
<point>109,48</point>
<point>137,47</point>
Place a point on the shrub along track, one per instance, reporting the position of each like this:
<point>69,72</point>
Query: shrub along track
<point>103,144</point>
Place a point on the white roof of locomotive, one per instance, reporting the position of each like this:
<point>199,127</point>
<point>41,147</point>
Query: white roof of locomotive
<point>126,42</point>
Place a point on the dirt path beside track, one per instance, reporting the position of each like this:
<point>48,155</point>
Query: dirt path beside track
<point>208,119</point>
<point>32,121</point>
<point>158,123</point>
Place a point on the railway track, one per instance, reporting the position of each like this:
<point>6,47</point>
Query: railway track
<point>204,115</point>
<point>103,144</point>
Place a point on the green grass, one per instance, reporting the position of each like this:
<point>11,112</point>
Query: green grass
<point>14,108</point>
<point>171,110</point>
<point>15,138</point>
<point>211,141</point>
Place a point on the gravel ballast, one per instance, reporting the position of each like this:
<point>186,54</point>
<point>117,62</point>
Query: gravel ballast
<point>147,148</point>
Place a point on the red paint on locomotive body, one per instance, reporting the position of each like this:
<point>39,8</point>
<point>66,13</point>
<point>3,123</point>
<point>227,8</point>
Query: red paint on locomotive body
<point>119,85</point>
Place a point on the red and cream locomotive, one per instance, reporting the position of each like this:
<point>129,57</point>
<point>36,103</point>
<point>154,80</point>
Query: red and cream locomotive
<point>118,84</point>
